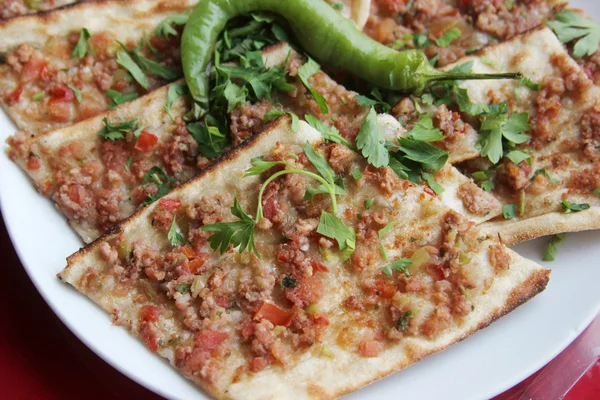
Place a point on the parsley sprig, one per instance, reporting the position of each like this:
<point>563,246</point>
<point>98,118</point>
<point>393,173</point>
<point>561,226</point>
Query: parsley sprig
<point>570,26</point>
<point>241,232</point>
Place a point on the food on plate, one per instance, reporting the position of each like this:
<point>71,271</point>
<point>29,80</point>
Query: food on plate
<point>101,170</point>
<point>14,8</point>
<point>249,288</point>
<point>69,65</point>
<point>311,21</point>
<point>539,156</point>
<point>449,30</point>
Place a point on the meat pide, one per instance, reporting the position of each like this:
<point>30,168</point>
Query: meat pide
<point>69,65</point>
<point>449,30</point>
<point>540,155</point>
<point>248,286</point>
<point>101,170</point>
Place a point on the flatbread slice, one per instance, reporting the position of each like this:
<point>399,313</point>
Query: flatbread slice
<point>97,182</point>
<point>555,188</point>
<point>67,65</point>
<point>299,322</point>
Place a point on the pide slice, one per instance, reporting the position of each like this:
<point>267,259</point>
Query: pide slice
<point>314,297</point>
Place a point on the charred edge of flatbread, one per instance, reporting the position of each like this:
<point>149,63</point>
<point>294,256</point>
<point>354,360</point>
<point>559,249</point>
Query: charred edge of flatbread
<point>535,283</point>
<point>51,15</point>
<point>225,159</point>
<point>517,231</point>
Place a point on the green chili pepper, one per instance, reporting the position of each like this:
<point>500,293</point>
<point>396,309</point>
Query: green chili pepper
<point>323,33</point>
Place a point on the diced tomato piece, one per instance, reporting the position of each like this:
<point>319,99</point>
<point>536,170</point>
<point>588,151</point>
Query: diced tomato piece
<point>61,92</point>
<point>318,267</point>
<point>33,69</point>
<point>169,204</point>
<point>148,313</point>
<point>33,163</point>
<point>148,337</point>
<point>59,111</point>
<point>382,288</point>
<point>197,262</point>
<point>271,208</point>
<point>223,301</point>
<point>209,340</point>
<point>274,314</point>
<point>370,348</point>
<point>15,95</point>
<point>145,142</point>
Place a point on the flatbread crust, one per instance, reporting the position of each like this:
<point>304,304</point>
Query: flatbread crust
<point>520,230</point>
<point>311,376</point>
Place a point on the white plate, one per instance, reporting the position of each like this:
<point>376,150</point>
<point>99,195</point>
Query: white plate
<point>480,367</point>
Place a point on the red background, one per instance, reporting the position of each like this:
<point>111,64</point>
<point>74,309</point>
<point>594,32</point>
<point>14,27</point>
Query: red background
<point>41,359</point>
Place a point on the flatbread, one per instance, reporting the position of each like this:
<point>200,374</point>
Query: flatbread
<point>564,164</point>
<point>94,184</point>
<point>357,345</point>
<point>38,71</point>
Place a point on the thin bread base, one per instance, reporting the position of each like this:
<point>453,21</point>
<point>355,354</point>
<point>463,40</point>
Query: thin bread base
<point>517,231</point>
<point>313,377</point>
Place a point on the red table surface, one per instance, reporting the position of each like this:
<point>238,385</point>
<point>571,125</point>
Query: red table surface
<point>41,359</point>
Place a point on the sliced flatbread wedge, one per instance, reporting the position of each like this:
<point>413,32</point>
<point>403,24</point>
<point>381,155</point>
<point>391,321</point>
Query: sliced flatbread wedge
<point>550,183</point>
<point>15,8</point>
<point>306,319</point>
<point>67,65</point>
<point>97,181</point>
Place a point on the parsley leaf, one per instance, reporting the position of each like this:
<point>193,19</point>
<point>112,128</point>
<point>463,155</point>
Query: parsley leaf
<point>319,162</point>
<point>172,94</point>
<point>162,182</point>
<point>330,133</point>
<point>125,60</point>
<point>379,104</point>
<point>398,265</point>
<point>497,126</point>
<point>569,207</point>
<point>570,26</point>
<point>211,142</point>
<point>509,211</point>
<point>371,141</point>
<point>76,91</point>
<point>517,156</point>
<point>237,233</point>
<point>118,131</point>
<point>385,230</point>
<point>357,175</point>
<point>310,68</point>
<point>332,227</point>
<point>119,98</point>
<point>548,175</point>
<point>369,203</point>
<point>259,165</point>
<point>82,47</point>
<point>597,192</point>
<point>551,250</point>
<point>272,114</point>
<point>174,236</point>
<point>448,37</point>
<point>436,187</point>
<point>431,158</point>
<point>165,27</point>
<point>38,96</point>
<point>424,130</point>
<point>528,83</point>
